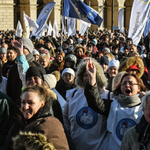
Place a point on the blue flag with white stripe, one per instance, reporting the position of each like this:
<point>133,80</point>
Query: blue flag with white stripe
<point>79,10</point>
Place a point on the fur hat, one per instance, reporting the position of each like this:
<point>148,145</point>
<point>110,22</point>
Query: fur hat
<point>51,79</point>
<point>137,61</point>
<point>34,141</point>
<point>80,46</point>
<point>100,77</point>
<point>28,44</point>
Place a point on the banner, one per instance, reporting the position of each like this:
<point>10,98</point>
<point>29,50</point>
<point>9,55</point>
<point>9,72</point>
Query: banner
<point>55,29</point>
<point>19,30</point>
<point>79,10</point>
<point>121,19</point>
<point>43,17</point>
<point>50,29</point>
<point>63,27</point>
<point>83,27</point>
<point>28,22</point>
<point>71,26</point>
<point>139,16</point>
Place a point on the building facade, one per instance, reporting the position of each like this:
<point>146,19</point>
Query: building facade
<point>12,10</point>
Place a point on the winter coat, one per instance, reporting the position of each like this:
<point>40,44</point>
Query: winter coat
<point>55,66</point>
<point>137,138</point>
<point>6,106</point>
<point>8,63</point>
<point>41,122</point>
<point>62,88</point>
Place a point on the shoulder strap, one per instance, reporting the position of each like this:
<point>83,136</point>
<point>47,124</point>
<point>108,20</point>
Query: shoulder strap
<point>74,93</point>
<point>109,95</point>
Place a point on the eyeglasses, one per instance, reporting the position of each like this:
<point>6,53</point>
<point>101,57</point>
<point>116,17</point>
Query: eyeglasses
<point>129,82</point>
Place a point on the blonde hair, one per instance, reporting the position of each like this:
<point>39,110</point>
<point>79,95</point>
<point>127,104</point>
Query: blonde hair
<point>110,55</point>
<point>44,56</point>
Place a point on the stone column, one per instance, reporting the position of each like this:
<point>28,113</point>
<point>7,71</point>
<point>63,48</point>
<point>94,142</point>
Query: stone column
<point>127,19</point>
<point>109,17</point>
<point>24,8</point>
<point>7,15</point>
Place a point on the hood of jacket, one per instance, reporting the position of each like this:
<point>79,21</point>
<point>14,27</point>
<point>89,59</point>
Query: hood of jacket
<point>100,77</point>
<point>34,141</point>
<point>136,60</point>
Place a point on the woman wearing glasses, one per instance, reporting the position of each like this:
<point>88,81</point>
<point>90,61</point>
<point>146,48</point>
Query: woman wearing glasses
<point>123,111</point>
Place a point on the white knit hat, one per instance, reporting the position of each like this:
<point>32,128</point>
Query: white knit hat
<point>114,63</point>
<point>50,80</point>
<point>68,70</point>
<point>35,52</point>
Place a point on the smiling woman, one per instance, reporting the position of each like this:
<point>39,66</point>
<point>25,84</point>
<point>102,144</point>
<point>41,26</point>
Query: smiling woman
<point>35,106</point>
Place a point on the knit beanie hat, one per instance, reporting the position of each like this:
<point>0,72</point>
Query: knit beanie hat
<point>35,52</point>
<point>34,71</point>
<point>68,70</point>
<point>51,79</point>
<point>104,60</point>
<point>3,50</point>
<point>114,63</point>
<point>28,44</point>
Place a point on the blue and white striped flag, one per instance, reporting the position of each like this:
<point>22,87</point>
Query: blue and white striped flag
<point>43,17</point>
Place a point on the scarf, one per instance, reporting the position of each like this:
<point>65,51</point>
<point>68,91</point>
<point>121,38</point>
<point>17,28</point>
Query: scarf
<point>128,101</point>
<point>143,128</point>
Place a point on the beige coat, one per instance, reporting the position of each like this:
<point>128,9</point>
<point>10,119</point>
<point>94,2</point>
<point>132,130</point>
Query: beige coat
<point>130,141</point>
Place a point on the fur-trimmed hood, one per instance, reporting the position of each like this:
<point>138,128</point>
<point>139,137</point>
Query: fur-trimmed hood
<point>100,77</point>
<point>34,141</point>
<point>130,62</point>
<point>79,46</point>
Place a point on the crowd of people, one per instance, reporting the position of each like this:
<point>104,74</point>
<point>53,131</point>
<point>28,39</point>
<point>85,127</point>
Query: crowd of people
<point>87,92</point>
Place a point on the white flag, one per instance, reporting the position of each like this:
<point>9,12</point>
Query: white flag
<point>43,17</point>
<point>71,26</point>
<point>55,28</point>
<point>139,16</point>
<point>19,30</point>
<point>28,22</point>
<point>63,27</point>
<point>50,29</point>
<point>121,19</point>
<point>84,25</point>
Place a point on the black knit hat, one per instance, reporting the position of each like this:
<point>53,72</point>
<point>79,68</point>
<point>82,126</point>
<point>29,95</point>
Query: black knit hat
<point>104,60</point>
<point>34,71</point>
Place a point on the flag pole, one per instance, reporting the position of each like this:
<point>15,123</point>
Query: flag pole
<point>62,24</point>
<point>87,27</point>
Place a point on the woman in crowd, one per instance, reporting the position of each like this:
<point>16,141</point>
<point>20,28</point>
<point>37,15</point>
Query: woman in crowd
<point>112,72</point>
<point>123,112</point>
<point>37,118</point>
<point>66,82</point>
<point>58,62</point>
<point>137,138</point>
